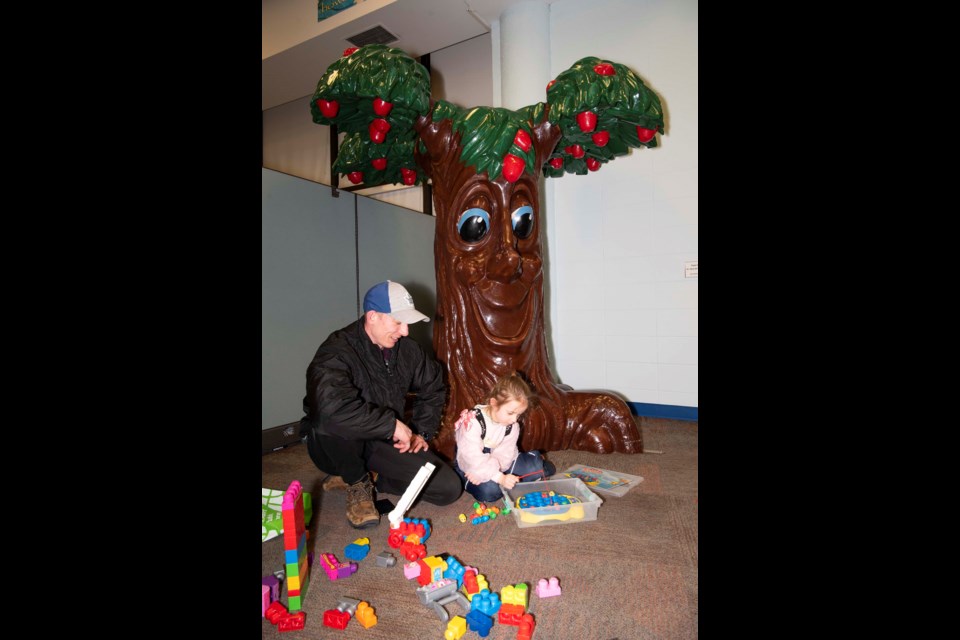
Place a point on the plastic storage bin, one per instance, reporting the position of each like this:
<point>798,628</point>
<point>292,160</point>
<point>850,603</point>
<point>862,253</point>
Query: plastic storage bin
<point>583,507</point>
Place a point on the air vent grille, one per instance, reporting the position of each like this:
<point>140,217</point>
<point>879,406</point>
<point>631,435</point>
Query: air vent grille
<point>376,35</point>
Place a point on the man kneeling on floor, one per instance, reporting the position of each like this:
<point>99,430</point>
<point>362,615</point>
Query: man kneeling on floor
<point>356,390</point>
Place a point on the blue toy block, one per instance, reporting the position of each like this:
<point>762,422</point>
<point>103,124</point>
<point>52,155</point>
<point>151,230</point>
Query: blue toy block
<point>454,571</point>
<point>356,551</point>
<point>479,622</point>
<point>486,602</point>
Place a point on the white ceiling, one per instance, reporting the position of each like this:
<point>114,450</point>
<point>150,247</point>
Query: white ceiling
<point>295,52</point>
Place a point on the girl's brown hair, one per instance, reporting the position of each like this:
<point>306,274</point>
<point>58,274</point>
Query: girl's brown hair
<point>512,387</point>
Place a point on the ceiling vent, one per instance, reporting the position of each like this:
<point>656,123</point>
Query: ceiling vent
<point>376,35</point>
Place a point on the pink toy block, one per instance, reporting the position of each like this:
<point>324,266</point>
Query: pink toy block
<point>265,600</point>
<point>411,570</point>
<point>548,589</point>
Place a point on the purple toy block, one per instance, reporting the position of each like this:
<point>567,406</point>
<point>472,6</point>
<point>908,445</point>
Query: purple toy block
<point>273,584</point>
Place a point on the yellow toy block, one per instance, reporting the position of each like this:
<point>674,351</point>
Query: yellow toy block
<point>514,595</point>
<point>366,615</point>
<point>455,628</point>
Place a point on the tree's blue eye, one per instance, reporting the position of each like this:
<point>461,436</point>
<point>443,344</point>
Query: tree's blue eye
<point>473,224</point>
<point>522,220</point>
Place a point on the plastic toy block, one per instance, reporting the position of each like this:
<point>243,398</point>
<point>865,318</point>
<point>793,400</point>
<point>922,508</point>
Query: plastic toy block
<point>510,614</point>
<point>275,611</point>
<point>514,595</point>
<point>291,592</point>
<point>264,600</point>
<point>280,575</point>
<point>293,584</point>
<point>486,602</point>
<point>412,551</point>
<point>455,628</point>
<point>547,589</point>
<point>411,570</point>
<point>362,541</point>
<point>481,585</point>
<point>470,581</point>
<point>335,619</point>
<point>356,551</point>
<point>336,569</point>
<point>386,559</point>
<point>295,602</point>
<point>293,622</point>
<point>413,490</point>
<point>366,615</point>
<point>437,567</point>
<point>273,585</point>
<point>437,594</point>
<point>348,605</point>
<point>479,622</point>
<point>527,625</point>
<point>454,570</point>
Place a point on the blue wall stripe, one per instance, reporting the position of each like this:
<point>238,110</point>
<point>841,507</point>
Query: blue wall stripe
<point>665,411</point>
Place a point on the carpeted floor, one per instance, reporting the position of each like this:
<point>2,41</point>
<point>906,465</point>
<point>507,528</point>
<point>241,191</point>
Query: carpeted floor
<point>629,575</point>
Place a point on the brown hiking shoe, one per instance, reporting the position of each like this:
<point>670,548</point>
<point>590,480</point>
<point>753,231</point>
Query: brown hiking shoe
<point>332,483</point>
<point>361,512</point>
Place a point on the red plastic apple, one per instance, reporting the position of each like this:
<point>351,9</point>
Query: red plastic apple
<point>409,175</point>
<point>550,84</point>
<point>593,164</point>
<point>380,107</point>
<point>601,138</point>
<point>556,163</point>
<point>328,108</point>
<point>605,69</point>
<point>587,121</point>
<point>347,52</point>
<point>575,150</point>
<point>378,130</point>
<point>512,167</point>
<point>355,177</point>
<point>379,163</point>
<point>522,140</point>
<point>645,135</point>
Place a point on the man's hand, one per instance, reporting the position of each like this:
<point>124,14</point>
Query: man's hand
<point>418,443</point>
<point>402,437</point>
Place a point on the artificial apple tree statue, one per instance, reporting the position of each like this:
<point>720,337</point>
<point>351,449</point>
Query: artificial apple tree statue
<point>485,165</point>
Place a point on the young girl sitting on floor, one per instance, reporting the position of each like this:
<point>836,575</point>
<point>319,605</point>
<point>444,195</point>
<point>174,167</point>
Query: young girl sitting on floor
<point>487,455</point>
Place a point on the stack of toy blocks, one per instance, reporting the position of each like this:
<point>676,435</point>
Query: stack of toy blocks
<point>295,546</point>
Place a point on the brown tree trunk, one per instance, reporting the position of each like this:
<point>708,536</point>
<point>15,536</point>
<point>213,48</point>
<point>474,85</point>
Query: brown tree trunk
<point>490,305</point>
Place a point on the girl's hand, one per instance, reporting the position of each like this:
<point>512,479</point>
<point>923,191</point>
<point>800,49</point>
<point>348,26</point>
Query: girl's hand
<point>509,481</point>
<point>474,479</point>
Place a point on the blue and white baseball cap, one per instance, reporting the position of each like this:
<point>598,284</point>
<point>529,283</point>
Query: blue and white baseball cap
<point>393,299</point>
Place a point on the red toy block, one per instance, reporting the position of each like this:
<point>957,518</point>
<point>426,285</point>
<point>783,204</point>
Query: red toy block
<point>510,614</point>
<point>527,625</point>
<point>294,622</point>
<point>335,619</point>
<point>275,611</point>
<point>470,581</point>
<point>425,576</point>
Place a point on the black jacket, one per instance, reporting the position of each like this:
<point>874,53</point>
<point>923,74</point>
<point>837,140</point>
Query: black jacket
<point>351,393</point>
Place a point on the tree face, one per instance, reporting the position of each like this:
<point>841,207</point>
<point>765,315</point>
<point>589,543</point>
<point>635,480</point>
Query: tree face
<point>490,241</point>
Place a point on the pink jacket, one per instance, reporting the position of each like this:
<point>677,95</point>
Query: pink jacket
<point>470,455</point>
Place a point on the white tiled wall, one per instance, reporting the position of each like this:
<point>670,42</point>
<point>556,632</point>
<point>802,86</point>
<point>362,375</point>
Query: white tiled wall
<point>625,317</point>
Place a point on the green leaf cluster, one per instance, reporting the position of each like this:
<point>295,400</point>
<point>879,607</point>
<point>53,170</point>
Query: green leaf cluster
<point>621,101</point>
<point>486,135</point>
